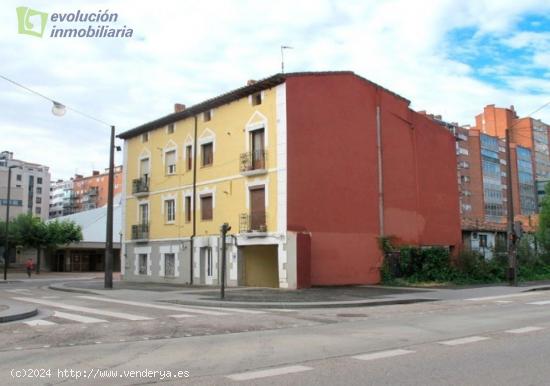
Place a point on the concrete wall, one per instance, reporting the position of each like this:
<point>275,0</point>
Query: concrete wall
<point>155,251</point>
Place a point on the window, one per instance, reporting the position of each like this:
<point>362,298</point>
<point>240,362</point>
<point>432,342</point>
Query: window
<point>39,180</point>
<point>209,261</point>
<point>144,213</point>
<point>257,99</point>
<point>39,200</point>
<point>483,241</point>
<point>169,264</point>
<point>39,190</point>
<point>170,159</point>
<point>142,257</point>
<point>188,209</point>
<point>207,115</point>
<point>206,207</point>
<point>189,157</point>
<point>207,151</point>
<point>38,210</point>
<point>170,128</point>
<point>19,177</point>
<point>170,210</point>
<point>145,137</point>
<point>144,169</point>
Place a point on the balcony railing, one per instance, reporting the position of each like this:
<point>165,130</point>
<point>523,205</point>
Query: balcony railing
<point>140,232</point>
<point>253,161</point>
<point>253,222</point>
<point>140,186</point>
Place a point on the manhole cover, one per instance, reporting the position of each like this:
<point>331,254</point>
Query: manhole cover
<point>352,315</point>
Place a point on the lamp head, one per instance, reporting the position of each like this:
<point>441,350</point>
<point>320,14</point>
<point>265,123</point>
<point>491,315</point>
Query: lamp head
<point>58,109</point>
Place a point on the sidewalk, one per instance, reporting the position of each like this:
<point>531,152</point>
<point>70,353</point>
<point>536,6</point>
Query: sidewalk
<point>318,297</point>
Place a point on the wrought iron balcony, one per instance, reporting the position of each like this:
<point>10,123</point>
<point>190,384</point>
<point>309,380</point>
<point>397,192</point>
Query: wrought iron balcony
<point>253,162</point>
<point>253,222</point>
<point>140,232</point>
<point>140,186</point>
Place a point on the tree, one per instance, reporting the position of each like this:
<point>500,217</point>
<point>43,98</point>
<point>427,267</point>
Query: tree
<point>543,232</point>
<point>32,232</point>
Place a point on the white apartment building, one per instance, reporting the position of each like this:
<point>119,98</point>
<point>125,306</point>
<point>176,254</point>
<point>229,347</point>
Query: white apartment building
<point>61,198</point>
<point>30,187</point>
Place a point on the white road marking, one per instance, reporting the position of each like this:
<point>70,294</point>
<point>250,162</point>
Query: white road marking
<point>77,318</point>
<point>268,373</point>
<point>503,301</point>
<point>541,303</point>
<point>231,309</point>
<point>470,339</point>
<point>17,290</point>
<point>157,306</point>
<point>524,330</point>
<point>181,316</point>
<point>39,322</point>
<point>502,296</point>
<point>382,354</point>
<point>120,315</point>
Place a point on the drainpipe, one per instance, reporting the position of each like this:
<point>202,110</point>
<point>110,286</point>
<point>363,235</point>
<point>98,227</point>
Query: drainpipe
<point>380,172</point>
<point>193,199</point>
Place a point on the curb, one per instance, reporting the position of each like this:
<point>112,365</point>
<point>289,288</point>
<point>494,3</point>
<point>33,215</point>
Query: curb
<point>267,305</point>
<point>72,289</point>
<point>18,316</point>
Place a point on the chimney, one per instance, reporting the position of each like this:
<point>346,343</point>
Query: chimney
<point>95,173</point>
<point>512,108</point>
<point>178,107</point>
<point>250,82</point>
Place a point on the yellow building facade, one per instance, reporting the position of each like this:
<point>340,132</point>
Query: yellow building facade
<point>222,161</point>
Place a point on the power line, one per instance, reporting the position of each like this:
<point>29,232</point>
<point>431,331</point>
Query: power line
<point>56,103</point>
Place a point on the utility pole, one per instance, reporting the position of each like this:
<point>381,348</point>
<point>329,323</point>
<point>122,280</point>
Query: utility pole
<point>6,245</point>
<point>224,229</point>
<point>109,236</point>
<point>511,239</point>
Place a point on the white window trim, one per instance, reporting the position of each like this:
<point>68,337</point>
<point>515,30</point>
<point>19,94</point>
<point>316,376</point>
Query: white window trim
<point>255,124</point>
<point>163,250</point>
<point>205,192</point>
<point>145,154</point>
<point>170,146</point>
<point>257,184</point>
<point>142,251</point>
<point>164,198</point>
<point>207,136</point>
<point>139,203</point>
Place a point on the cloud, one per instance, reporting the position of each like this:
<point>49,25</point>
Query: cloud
<point>190,51</point>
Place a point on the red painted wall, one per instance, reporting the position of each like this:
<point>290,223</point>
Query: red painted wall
<point>333,178</point>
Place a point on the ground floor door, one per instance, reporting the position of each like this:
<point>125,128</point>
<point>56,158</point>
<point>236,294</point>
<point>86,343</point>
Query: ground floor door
<point>261,267</point>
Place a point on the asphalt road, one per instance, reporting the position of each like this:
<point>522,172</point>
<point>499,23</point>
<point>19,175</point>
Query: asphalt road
<point>500,340</point>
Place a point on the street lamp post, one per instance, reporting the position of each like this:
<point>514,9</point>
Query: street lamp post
<point>59,110</point>
<point>109,235</point>
<point>6,245</point>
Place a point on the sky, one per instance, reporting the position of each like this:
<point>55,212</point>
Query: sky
<point>447,57</point>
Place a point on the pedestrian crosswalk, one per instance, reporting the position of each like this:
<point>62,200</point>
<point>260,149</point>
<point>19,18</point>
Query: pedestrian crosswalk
<point>97,309</point>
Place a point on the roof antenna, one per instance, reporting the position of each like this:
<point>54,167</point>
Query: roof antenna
<point>283,57</point>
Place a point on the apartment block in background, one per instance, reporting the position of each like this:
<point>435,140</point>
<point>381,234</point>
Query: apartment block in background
<point>309,170</point>
<point>30,187</point>
<point>62,199</point>
<point>91,192</point>
<point>482,180</point>
<point>526,132</point>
